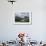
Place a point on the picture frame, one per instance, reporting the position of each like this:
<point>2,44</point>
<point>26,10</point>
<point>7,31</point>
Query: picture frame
<point>22,17</point>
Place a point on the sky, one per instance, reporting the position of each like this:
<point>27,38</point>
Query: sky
<point>22,14</point>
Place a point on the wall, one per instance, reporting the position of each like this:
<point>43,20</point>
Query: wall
<point>37,30</point>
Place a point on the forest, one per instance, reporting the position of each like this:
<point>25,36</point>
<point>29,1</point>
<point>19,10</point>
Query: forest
<point>20,19</point>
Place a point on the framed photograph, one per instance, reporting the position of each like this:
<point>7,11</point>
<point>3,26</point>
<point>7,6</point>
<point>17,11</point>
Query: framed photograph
<point>22,17</point>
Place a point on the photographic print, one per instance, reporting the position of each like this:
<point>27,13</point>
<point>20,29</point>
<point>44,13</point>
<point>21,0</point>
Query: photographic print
<point>23,17</point>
